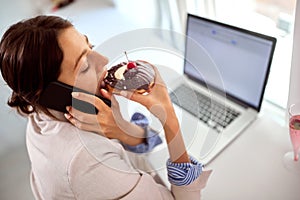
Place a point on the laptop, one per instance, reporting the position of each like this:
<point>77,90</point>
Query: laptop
<point>226,70</point>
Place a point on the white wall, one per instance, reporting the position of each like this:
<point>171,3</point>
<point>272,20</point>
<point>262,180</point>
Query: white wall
<point>294,91</point>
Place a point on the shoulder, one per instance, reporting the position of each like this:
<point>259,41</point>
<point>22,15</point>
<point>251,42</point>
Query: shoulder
<point>61,141</point>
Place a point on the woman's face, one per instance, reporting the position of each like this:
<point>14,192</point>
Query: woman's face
<point>81,67</point>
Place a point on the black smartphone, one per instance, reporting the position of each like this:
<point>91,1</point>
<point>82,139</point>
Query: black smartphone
<point>57,96</point>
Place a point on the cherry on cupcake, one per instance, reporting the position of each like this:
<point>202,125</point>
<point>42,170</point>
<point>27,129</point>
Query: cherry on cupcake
<point>131,65</point>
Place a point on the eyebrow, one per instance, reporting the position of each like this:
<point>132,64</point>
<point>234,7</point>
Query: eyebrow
<point>86,39</point>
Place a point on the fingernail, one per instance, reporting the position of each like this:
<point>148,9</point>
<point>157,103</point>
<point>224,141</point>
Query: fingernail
<point>68,108</point>
<point>67,115</point>
<point>75,94</point>
<point>104,90</point>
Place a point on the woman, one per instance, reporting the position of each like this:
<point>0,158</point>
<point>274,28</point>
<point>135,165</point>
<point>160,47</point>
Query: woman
<point>68,160</point>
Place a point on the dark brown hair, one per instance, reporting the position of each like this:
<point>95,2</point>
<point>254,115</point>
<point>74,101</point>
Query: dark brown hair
<point>30,58</point>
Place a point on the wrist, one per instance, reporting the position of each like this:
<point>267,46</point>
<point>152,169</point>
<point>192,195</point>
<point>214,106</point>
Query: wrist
<point>132,134</point>
<point>132,141</point>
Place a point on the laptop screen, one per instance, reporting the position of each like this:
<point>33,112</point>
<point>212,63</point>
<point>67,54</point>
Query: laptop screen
<point>239,59</point>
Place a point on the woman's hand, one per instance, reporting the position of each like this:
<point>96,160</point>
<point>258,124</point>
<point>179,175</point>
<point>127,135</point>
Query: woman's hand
<point>157,101</point>
<point>108,122</point>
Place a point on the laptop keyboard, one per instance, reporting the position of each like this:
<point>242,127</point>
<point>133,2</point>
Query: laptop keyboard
<point>212,113</point>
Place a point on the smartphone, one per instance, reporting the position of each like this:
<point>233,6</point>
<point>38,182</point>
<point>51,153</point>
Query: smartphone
<point>57,96</point>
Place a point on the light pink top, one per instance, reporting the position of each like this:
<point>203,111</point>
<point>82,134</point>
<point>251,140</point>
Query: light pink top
<point>68,163</point>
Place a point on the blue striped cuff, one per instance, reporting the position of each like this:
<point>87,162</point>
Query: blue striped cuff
<point>181,174</point>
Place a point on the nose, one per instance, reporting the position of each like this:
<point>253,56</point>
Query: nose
<point>105,60</point>
<point>100,62</point>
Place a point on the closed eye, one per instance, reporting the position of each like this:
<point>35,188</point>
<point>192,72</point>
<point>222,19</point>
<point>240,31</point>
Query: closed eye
<point>85,66</point>
<point>85,70</point>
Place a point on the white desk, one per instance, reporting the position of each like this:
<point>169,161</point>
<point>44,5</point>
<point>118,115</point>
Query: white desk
<point>251,167</point>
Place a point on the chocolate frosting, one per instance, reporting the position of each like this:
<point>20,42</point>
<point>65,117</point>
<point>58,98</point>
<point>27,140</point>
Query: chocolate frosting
<point>136,78</point>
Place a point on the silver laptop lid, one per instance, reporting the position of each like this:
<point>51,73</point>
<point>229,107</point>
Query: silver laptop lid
<point>242,58</point>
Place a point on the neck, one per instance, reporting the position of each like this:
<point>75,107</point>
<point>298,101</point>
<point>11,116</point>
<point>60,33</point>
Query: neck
<point>58,115</point>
